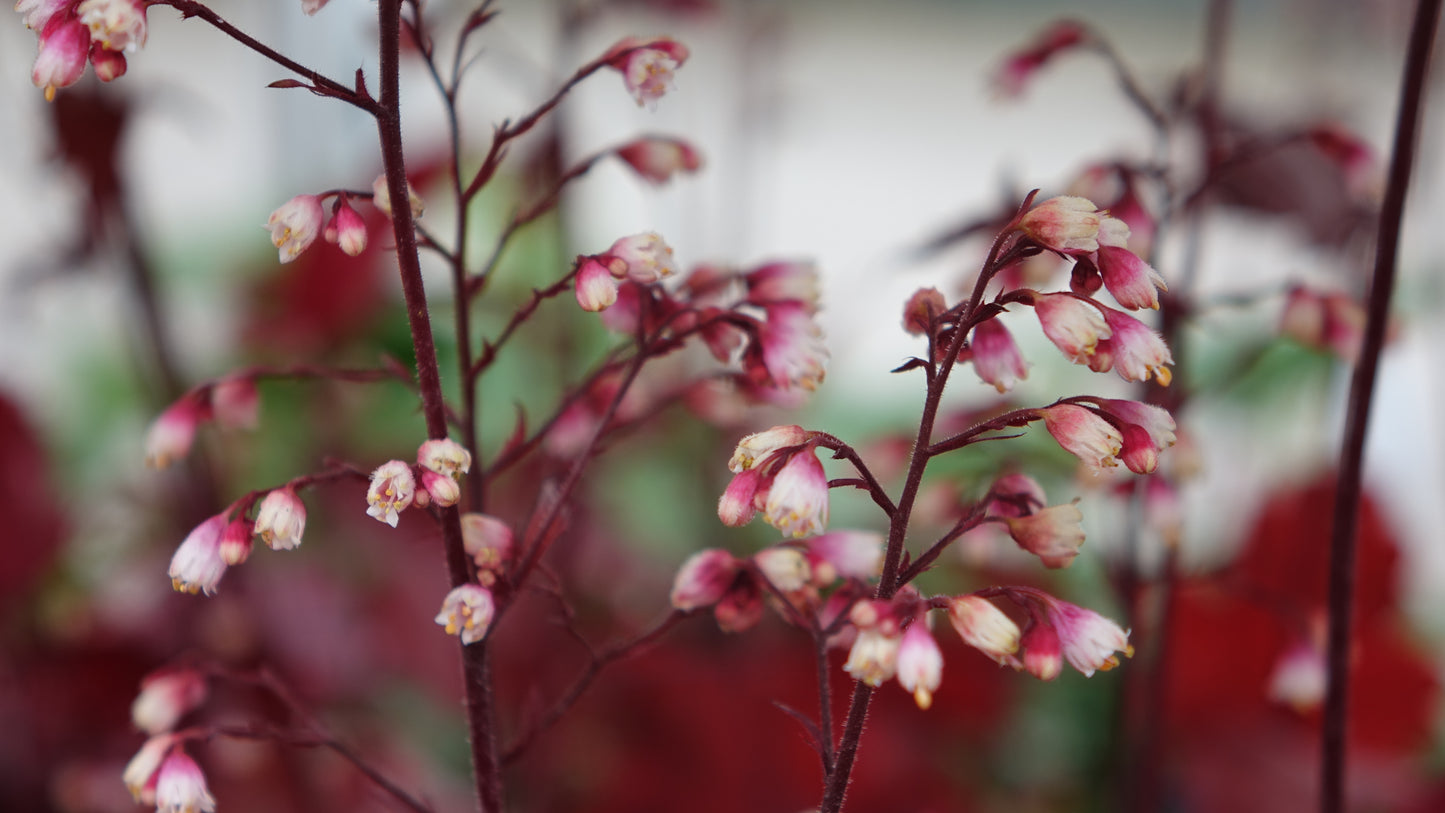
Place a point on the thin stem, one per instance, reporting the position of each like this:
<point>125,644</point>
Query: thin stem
<point>1362,387</point>
<point>477,679</point>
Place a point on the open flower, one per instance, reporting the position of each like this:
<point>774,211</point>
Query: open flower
<point>756,448</point>
<point>281,519</point>
<point>797,501</point>
<point>181,787</point>
<point>118,25</point>
<point>642,258</point>
<point>647,68</point>
<point>1084,434</point>
<point>874,657</point>
<point>143,770</point>
<point>793,351</point>
<point>489,541</point>
<point>1134,350</point>
<point>295,225</point>
<point>393,486</point>
<point>467,611</point>
<point>444,456</point>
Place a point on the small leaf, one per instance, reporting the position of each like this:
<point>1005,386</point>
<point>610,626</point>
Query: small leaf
<point>288,83</point>
<point>912,364</point>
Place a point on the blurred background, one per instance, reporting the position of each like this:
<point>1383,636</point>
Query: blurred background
<point>862,136</point>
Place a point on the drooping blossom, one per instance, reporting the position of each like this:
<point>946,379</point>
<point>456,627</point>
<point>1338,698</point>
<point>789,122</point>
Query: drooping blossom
<point>1074,325</point>
<point>171,435</point>
<point>1133,283</point>
<point>1066,224</point>
<point>755,448</point>
<point>117,25</point>
<point>281,519</point>
<point>797,501</point>
<point>1084,434</point>
<point>197,565</point>
<point>984,627</point>
<point>1053,534</point>
<point>596,288</point>
<point>295,225</point>
<point>437,488</point>
<point>393,486</point>
<point>347,229</point>
<point>1014,495</point>
<point>236,542</point>
<point>381,197</point>
<point>489,541</point>
<point>444,456</point>
<point>845,554</point>
<point>64,51</point>
<point>873,658</point>
<point>181,787</point>
<point>235,403</point>
<point>647,67</point>
<point>1042,651</point>
<point>143,770</point>
<point>793,352</point>
<point>704,579</point>
<point>165,697</point>
<point>1088,640</point>
<point>658,159</point>
<point>785,567</point>
<point>740,608</point>
<point>1154,420</point>
<point>738,503</point>
<point>996,358</point>
<point>795,283</point>
<point>109,65</point>
<point>643,258</point>
<point>1133,349</point>
<point>920,663</point>
<point>467,611</point>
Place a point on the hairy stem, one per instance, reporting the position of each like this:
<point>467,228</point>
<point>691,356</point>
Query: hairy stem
<point>1348,487</point>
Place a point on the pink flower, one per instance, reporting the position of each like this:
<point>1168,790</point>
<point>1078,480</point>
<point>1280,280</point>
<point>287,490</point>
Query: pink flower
<point>1043,652</point>
<point>737,505</point>
<point>642,258</point>
<point>786,568</point>
<point>845,554</point>
<point>984,627</point>
<point>165,697</point>
<point>1133,282</point>
<point>235,545</point>
<point>38,12</point>
<point>197,564</point>
<point>347,229</point>
<point>797,501</point>
<point>444,456</point>
<point>1053,534</point>
<point>704,579</point>
<point>109,65</point>
<point>783,282</point>
<point>64,50</point>
<point>920,663</point>
<point>143,770</point>
<point>1022,65</point>
<point>281,519</point>
<point>793,352</point>
<point>1154,420</point>
<point>118,25</point>
<point>756,448</point>
<point>1135,351</point>
<point>171,435</point>
<point>1138,453</point>
<point>1084,434</point>
<point>393,486</point>
<point>1324,321</point>
<point>295,225</point>
<point>873,658</point>
<point>996,358</point>
<point>438,488</point>
<point>467,611</point>
<point>1068,225</point>
<point>381,197</point>
<point>922,308</point>
<point>489,541</point>
<point>596,287</point>
<point>1089,639</point>
<point>181,787</point>
<point>658,159</point>
<point>1074,325</point>
<point>647,68</point>
<point>235,404</point>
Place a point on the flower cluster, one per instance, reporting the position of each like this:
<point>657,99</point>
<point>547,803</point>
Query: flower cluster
<point>1052,533</point>
<point>227,538</point>
<point>1102,432</point>
<point>439,465</point>
<point>232,402</point>
<point>296,224</point>
<point>161,773</point>
<point>777,472</point>
<point>97,32</point>
<point>643,258</point>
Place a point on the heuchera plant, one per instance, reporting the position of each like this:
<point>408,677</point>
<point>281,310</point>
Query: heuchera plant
<point>844,588</point>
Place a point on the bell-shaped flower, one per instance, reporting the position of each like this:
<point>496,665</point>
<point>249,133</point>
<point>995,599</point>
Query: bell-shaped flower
<point>181,787</point>
<point>393,487</point>
<point>467,611</point>
<point>704,579</point>
<point>295,225</point>
<point>1053,534</point>
<point>738,503</point>
<point>1085,435</point>
<point>444,456</point>
<point>109,65</point>
<point>996,358</point>
<point>758,447</point>
<point>489,541</point>
<point>647,67</point>
<point>64,51</point>
<point>793,351</point>
<point>197,565</point>
<point>281,519</point>
<point>143,770</point>
<point>845,554</point>
<point>873,658</point>
<point>785,567</point>
<point>1066,224</point>
<point>1014,495</point>
<point>165,697</point>
<point>1089,640</point>
<point>1042,651</point>
<point>236,542</point>
<point>1133,283</point>
<point>643,258</point>
<point>920,663</point>
<point>1074,325</point>
<point>595,286</point>
<point>118,25</point>
<point>1134,350</point>
<point>347,229</point>
<point>658,159</point>
<point>740,608</point>
<point>171,435</point>
<point>797,501</point>
<point>984,627</point>
<point>783,282</point>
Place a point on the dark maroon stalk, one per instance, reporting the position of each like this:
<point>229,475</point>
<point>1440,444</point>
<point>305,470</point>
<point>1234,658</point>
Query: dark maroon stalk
<point>477,680</point>
<point>1362,386</point>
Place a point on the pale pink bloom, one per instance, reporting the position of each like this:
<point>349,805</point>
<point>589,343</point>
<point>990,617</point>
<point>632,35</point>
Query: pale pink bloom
<point>920,663</point>
<point>381,197</point>
<point>787,568</point>
<point>1089,639</point>
<point>1155,420</point>
<point>347,229</point>
<point>755,448</point>
<point>489,541</point>
<point>642,258</point>
<point>165,697</point>
<point>295,225</point>
<point>235,404</point>
<point>235,545</point>
<point>738,502</point>
<point>393,486</point>
<point>171,435</point>
<point>197,564</point>
<point>109,65</point>
<point>1066,224</point>
<point>1084,434</point>
<point>1113,233</point>
<point>1299,678</point>
<point>984,627</point>
<point>1020,67</point>
<point>1074,325</point>
<point>1015,495</point>
<point>181,787</point>
<point>1042,651</point>
<point>439,489</point>
<point>64,51</point>
<point>596,287</point>
<point>444,456</point>
<point>647,68</point>
<point>467,611</point>
<point>658,159</point>
<point>996,358</point>
<point>1133,282</point>
<point>792,346</point>
<point>874,657</point>
<point>118,25</point>
<point>38,12</point>
<point>1053,534</point>
<point>281,519</point>
<point>1138,453</point>
<point>793,282</point>
<point>1137,352</point>
<point>143,770</point>
<point>845,554</point>
<point>310,7</point>
<point>797,501</point>
<point>922,308</point>
<point>704,579</point>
